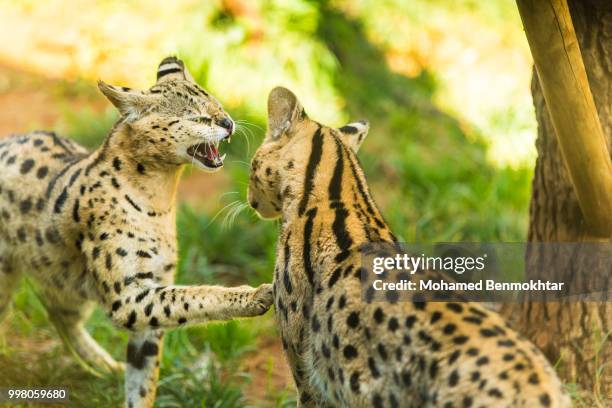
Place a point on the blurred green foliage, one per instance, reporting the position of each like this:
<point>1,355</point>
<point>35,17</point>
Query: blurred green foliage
<point>428,169</point>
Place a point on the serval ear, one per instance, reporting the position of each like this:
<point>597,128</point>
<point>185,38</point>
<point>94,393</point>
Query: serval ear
<point>172,68</point>
<point>131,103</point>
<point>354,134</point>
<point>284,111</point>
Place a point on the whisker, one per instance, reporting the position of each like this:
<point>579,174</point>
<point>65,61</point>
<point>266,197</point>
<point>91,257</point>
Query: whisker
<point>246,164</point>
<point>232,214</point>
<point>242,131</point>
<point>233,203</point>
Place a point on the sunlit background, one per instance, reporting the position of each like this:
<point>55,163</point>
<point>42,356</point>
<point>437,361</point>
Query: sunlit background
<point>444,84</point>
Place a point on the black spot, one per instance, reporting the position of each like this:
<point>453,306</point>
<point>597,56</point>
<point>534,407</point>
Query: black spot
<point>182,320</point>
<point>42,172</point>
<point>353,319</point>
<point>377,401</point>
<point>473,319</point>
<point>533,379</point>
<point>382,351</point>
<point>117,163</point>
<point>435,316</point>
<point>25,206</point>
<point>52,235</point>
<point>454,356</point>
<point>418,304</point>
<point>494,392</point>
<point>482,361</point>
<point>141,296</point>
<point>131,320</point>
<point>26,166</point>
<point>148,309</point>
<point>449,329</point>
<point>453,378</point>
<point>487,333</point>
<point>121,252</point>
<point>467,402</point>
<point>354,382</point>
<point>316,325</point>
<point>393,324</point>
<point>137,358</point>
<point>373,368</point>
<point>350,352</point>
<point>116,305</point>
<point>545,400</point>
<point>455,307</point>
<point>460,340</point>
<point>410,320</point>
<point>342,302</point>
<point>143,254</point>
<point>406,378</point>
<point>379,315</point>
<point>325,350</point>
<point>433,369</point>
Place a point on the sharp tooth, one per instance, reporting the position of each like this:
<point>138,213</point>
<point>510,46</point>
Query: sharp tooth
<point>223,157</point>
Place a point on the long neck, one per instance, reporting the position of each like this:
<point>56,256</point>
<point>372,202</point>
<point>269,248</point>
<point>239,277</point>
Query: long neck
<point>333,201</point>
<point>151,185</point>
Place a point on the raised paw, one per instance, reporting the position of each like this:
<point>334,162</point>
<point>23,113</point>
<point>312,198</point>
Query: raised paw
<point>262,299</point>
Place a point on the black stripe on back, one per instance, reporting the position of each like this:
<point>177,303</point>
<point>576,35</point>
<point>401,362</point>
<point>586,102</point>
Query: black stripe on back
<point>97,160</point>
<point>287,260</point>
<point>53,181</point>
<point>307,245</point>
<point>61,199</point>
<point>343,238</point>
<point>74,176</point>
<point>313,162</point>
<point>335,186</point>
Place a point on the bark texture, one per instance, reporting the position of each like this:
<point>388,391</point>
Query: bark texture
<point>571,333</point>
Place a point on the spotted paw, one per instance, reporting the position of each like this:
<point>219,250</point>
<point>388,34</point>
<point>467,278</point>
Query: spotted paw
<point>262,299</point>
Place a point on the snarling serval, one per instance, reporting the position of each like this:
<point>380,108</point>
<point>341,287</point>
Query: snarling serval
<point>348,350</point>
<point>98,228</point>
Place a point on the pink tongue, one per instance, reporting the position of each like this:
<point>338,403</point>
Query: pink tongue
<point>211,152</point>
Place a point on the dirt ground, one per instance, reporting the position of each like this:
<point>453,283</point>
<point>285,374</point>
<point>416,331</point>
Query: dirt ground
<point>26,103</point>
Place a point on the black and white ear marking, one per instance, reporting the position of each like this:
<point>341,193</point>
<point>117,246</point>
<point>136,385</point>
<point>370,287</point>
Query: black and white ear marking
<point>284,111</point>
<point>172,68</point>
<point>354,133</point>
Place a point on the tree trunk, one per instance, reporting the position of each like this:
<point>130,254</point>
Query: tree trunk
<point>571,334</point>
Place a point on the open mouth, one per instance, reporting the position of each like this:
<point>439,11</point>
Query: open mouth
<point>207,154</point>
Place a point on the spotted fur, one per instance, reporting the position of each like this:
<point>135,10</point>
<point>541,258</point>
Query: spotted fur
<point>345,351</point>
<point>98,228</point>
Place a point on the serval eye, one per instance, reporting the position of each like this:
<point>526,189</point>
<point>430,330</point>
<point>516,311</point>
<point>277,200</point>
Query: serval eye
<point>201,119</point>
